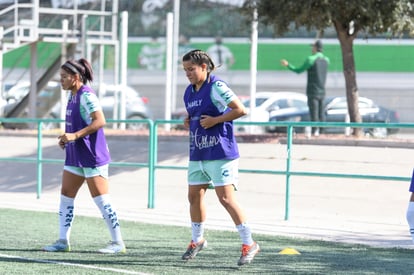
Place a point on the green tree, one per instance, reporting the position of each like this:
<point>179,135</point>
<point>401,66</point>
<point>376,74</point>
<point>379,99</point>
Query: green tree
<point>349,18</point>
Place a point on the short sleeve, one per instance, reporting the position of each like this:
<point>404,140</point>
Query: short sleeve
<point>90,102</point>
<point>222,94</point>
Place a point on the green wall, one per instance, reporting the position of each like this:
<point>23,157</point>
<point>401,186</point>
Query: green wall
<point>368,58</point>
<point>20,57</point>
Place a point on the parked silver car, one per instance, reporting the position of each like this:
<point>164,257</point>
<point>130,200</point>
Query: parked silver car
<point>336,110</point>
<point>45,101</point>
<point>136,105</point>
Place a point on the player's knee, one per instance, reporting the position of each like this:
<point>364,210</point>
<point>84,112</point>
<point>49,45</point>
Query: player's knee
<point>224,201</point>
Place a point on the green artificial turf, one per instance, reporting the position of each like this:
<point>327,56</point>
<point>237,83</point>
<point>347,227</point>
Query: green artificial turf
<point>157,249</point>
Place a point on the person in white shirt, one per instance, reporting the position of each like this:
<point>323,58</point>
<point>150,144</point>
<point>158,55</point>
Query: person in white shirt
<point>221,54</point>
<point>152,55</point>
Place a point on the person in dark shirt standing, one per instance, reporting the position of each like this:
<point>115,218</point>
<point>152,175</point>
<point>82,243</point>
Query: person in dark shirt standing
<point>317,66</point>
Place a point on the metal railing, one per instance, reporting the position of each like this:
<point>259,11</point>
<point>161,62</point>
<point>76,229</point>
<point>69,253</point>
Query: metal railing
<point>152,163</point>
<point>24,23</point>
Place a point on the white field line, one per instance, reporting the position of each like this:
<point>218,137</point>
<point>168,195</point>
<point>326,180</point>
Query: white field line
<point>72,264</point>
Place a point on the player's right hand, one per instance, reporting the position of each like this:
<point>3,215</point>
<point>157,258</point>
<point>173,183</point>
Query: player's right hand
<point>187,122</point>
<point>61,144</point>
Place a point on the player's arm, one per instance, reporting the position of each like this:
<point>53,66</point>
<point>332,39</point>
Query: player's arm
<point>305,66</point>
<point>237,109</point>
<point>187,121</point>
<point>94,118</point>
<point>227,101</point>
<point>98,121</point>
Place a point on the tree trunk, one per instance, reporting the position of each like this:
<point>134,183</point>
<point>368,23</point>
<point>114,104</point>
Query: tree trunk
<point>346,42</point>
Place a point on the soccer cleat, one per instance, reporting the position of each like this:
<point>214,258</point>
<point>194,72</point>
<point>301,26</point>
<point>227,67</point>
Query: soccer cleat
<point>113,248</point>
<point>58,246</point>
<point>248,253</point>
<point>193,249</point>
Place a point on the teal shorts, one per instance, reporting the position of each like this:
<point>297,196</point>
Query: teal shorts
<point>88,172</point>
<point>213,172</point>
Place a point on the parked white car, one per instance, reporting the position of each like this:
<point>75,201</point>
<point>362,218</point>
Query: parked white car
<point>3,104</point>
<point>136,107</point>
<point>48,102</point>
<point>268,104</point>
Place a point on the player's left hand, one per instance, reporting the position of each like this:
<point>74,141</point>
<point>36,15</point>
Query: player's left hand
<point>67,137</point>
<point>207,121</point>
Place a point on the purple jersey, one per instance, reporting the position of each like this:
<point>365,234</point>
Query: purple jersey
<point>91,150</point>
<point>217,142</point>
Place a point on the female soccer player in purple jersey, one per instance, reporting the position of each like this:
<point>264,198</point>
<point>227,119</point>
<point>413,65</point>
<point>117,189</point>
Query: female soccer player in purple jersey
<point>212,106</point>
<point>87,156</point>
<point>410,209</point>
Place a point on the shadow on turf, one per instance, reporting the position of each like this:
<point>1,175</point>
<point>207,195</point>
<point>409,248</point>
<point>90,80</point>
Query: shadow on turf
<point>129,150</point>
